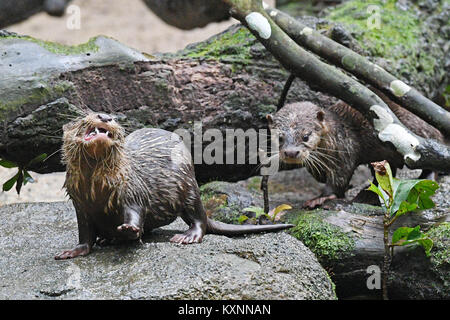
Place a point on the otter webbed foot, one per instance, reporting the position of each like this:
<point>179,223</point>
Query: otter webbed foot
<point>129,231</point>
<point>193,235</point>
<point>79,250</point>
<point>316,202</point>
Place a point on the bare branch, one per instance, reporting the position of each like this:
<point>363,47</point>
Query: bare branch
<point>361,67</point>
<point>416,151</point>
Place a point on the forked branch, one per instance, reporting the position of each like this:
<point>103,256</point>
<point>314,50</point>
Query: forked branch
<point>416,151</point>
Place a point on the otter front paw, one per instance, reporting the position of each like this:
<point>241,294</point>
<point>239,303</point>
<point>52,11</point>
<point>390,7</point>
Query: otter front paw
<point>129,231</point>
<point>79,250</point>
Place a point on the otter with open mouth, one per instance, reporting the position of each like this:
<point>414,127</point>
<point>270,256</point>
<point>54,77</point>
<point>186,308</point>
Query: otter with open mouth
<point>123,186</point>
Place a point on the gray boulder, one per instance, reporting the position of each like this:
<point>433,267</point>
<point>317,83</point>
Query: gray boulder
<point>264,266</point>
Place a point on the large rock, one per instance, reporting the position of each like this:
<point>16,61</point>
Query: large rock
<point>264,266</point>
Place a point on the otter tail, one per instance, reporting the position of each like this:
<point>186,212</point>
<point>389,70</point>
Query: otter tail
<point>220,228</point>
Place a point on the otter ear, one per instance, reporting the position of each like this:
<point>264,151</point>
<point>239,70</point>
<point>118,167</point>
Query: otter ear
<point>269,119</point>
<point>320,115</point>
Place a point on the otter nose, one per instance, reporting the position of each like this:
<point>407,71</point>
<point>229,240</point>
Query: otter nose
<point>291,153</point>
<point>104,117</point>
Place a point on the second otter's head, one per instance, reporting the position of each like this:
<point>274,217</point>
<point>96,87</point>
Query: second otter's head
<point>299,127</point>
<point>93,137</point>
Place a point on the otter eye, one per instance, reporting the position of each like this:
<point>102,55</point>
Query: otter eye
<point>305,137</point>
<point>281,138</point>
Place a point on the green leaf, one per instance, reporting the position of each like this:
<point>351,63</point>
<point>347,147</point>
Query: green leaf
<point>37,159</point>
<point>7,164</point>
<point>406,207</point>
<point>281,207</point>
<point>19,182</point>
<point>400,233</point>
<point>375,189</point>
<point>242,218</point>
<point>10,183</point>
<point>383,174</point>
<point>406,236</point>
<point>427,244</point>
<point>414,191</point>
<point>257,210</point>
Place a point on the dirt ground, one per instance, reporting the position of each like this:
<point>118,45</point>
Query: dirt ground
<point>129,22</point>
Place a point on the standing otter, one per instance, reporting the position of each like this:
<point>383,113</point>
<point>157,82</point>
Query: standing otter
<point>123,186</point>
<point>332,143</point>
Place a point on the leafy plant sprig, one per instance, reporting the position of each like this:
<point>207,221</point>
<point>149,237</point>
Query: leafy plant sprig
<point>271,215</point>
<point>399,197</point>
<point>22,177</point>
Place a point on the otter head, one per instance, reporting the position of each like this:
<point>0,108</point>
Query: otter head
<point>93,137</point>
<point>299,128</point>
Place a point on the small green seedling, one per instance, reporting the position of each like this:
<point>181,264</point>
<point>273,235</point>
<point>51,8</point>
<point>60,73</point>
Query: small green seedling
<point>22,177</point>
<point>399,197</point>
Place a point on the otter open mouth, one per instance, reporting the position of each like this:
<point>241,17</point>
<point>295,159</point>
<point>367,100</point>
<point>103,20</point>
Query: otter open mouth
<point>97,132</point>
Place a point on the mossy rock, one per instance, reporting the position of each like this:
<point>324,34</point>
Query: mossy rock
<point>328,242</point>
<point>403,38</point>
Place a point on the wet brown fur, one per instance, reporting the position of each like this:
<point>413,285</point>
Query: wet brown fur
<point>123,186</point>
<point>340,139</point>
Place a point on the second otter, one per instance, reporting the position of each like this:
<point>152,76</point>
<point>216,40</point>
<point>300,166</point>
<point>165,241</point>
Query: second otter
<point>332,143</point>
<point>123,186</point>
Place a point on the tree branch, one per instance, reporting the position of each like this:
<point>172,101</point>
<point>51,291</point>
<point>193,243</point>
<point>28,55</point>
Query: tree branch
<point>414,149</point>
<point>361,67</point>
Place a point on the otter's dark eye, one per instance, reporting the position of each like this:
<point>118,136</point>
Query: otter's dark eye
<point>281,138</point>
<point>305,137</point>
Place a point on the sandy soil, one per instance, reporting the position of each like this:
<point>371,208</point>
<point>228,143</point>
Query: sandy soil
<point>131,23</point>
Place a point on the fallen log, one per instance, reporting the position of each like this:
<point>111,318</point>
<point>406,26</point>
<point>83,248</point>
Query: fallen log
<point>229,81</point>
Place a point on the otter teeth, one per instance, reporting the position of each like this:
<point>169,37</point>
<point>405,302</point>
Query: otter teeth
<point>96,131</point>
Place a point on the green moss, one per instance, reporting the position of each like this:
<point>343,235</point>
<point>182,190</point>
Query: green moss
<point>327,241</point>
<point>41,95</point>
<point>254,184</point>
<point>58,48</point>
<point>440,254</point>
<point>396,38</point>
<point>229,46</point>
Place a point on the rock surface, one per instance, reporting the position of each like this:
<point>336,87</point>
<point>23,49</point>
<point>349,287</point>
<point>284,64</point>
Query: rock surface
<point>347,237</point>
<point>265,266</point>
